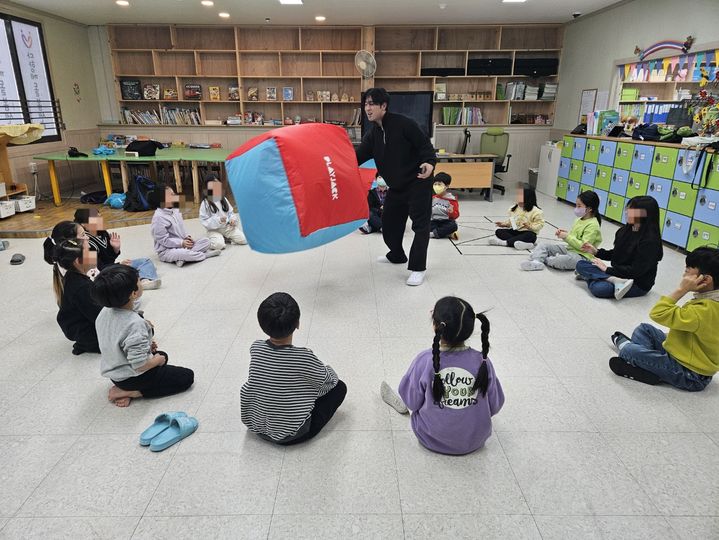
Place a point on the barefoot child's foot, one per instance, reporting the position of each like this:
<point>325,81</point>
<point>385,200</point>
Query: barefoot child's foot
<point>121,397</point>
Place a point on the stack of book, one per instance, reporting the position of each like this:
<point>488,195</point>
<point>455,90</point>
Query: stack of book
<point>140,117</point>
<point>531,92</point>
<point>515,90</point>
<point>456,116</point>
<point>182,117</point>
<point>549,93</point>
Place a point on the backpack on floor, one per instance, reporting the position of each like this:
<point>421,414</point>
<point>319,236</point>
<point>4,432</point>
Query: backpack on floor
<point>137,194</point>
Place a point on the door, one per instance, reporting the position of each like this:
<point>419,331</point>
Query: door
<point>676,229</point>
<point>575,170</point>
<point>706,208</point>
<point>578,148</point>
<point>659,188</point>
<point>702,234</point>
<point>564,167</point>
<point>682,198</point>
<point>664,163</point>
<point>642,158</point>
<point>623,155</point>
<point>686,167</point>
<point>615,207</point>
<point>603,195</point>
<point>572,191</point>
<point>591,150</point>
<point>589,171</point>
<point>637,185</point>
<point>618,185</point>
<point>607,150</point>
<point>561,191</point>
<point>603,178</point>
<point>567,146</point>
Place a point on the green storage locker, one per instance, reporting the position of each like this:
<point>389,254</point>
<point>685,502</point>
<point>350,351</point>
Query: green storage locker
<point>561,191</point>
<point>662,218</point>
<point>664,162</point>
<point>682,199</point>
<point>713,181</point>
<point>625,154</point>
<point>591,152</point>
<point>604,177</point>
<point>637,184</point>
<point>567,147</point>
<point>615,207</point>
<point>575,170</point>
<point>702,234</point>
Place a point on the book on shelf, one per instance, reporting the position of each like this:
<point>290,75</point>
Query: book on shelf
<point>549,92</point>
<point>500,94</point>
<point>455,116</point>
<point>356,117</point>
<point>288,93</point>
<point>233,93</point>
<point>271,93</point>
<point>169,93</point>
<point>214,93</point>
<point>193,91</point>
<point>440,91</point>
<point>130,89</point>
<point>531,92</point>
<point>151,91</point>
<point>253,94</point>
<point>131,116</point>
<point>177,116</point>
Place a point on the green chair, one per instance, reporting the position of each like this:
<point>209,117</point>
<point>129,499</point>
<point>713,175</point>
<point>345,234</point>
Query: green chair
<point>496,141</point>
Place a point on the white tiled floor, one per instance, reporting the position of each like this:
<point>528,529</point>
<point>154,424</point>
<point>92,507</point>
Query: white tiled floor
<point>577,452</point>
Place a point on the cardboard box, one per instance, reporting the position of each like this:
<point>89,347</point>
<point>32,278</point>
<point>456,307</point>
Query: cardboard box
<point>24,203</point>
<point>7,209</point>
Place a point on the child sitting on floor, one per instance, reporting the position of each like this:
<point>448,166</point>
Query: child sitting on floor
<point>445,209</point>
<point>107,246</point>
<point>451,389</point>
<point>67,251</point>
<point>688,356</point>
<point>375,201</point>
<point>217,217</point>
<point>525,221</point>
<point>130,358</point>
<point>289,395</point>
<point>586,229</point>
<point>172,243</point>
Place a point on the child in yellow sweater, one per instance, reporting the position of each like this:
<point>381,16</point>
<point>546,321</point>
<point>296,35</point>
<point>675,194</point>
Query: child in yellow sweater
<point>587,228</point>
<point>525,221</point>
<point>688,356</point>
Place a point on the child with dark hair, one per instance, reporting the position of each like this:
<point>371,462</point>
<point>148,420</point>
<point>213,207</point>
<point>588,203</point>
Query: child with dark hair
<point>585,230</point>
<point>525,221</point>
<point>634,258</point>
<point>451,389</point>
<point>217,216</point>
<point>289,395</point>
<point>445,209</point>
<point>130,358</point>
<point>172,243</point>
<point>67,251</point>
<point>375,201</point>
<point>107,246</point>
<point>688,356</point>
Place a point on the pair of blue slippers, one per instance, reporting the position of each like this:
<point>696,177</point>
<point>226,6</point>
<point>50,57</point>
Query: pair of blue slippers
<point>168,429</point>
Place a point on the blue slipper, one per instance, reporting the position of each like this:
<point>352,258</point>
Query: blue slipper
<point>162,422</point>
<point>180,427</point>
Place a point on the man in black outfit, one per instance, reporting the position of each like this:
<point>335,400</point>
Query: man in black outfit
<point>405,159</point>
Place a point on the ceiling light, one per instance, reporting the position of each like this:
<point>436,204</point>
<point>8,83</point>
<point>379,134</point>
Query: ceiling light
<point>224,15</point>
<point>442,6</point>
<point>123,3</point>
<point>291,2</point>
<point>320,18</point>
<point>513,1</point>
<point>208,3</point>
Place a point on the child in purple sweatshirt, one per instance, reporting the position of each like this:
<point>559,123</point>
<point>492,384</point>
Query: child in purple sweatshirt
<point>172,243</point>
<point>452,389</point>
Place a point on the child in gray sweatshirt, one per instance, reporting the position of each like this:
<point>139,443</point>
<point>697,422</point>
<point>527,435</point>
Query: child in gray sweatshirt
<point>130,358</point>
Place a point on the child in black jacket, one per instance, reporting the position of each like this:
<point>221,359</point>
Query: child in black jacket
<point>375,201</point>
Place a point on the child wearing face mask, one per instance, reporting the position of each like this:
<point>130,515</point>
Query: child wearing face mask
<point>375,201</point>
<point>445,209</point>
<point>218,217</point>
<point>585,230</point>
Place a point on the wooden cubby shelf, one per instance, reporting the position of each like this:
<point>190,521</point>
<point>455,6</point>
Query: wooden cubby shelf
<point>469,61</point>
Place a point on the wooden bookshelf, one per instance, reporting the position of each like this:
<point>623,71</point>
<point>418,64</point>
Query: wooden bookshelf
<point>317,60</point>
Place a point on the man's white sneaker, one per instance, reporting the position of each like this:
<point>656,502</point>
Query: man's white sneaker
<point>415,278</point>
<point>391,398</point>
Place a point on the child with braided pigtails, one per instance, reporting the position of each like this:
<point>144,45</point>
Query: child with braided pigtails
<point>451,389</point>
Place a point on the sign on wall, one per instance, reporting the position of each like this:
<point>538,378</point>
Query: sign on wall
<point>8,84</point>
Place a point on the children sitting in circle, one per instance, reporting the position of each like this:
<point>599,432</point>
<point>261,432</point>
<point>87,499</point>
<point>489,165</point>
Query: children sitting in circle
<point>634,258</point>
<point>172,243</point>
<point>688,356</point>
<point>451,389</point>
<point>107,246</point>
<point>375,201</point>
<point>289,395</point>
<point>525,221</point>
<point>217,216</point>
<point>130,357</point>
<point>67,251</point>
<point>445,209</point>
<point>585,230</point>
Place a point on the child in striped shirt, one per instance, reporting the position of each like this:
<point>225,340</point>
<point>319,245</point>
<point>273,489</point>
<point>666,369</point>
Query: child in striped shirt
<point>289,395</point>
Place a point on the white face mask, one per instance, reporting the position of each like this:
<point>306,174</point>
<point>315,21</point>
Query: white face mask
<point>580,211</point>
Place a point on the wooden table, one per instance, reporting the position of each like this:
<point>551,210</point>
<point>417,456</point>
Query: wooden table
<point>172,155</point>
<point>468,170</point>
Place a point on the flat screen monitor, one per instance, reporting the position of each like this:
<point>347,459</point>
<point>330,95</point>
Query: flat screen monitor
<point>416,105</point>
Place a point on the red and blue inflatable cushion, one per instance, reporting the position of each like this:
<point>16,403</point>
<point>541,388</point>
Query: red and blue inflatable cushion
<point>297,187</point>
